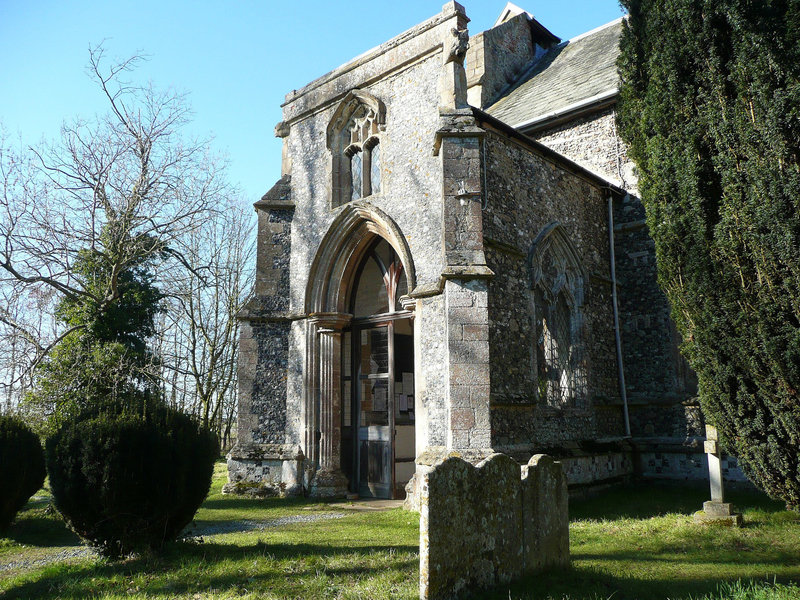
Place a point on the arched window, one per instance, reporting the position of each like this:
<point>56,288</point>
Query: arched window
<point>380,283</point>
<point>354,142</point>
<point>557,283</point>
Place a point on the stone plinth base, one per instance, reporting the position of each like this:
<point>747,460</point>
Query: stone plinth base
<point>718,513</point>
<point>264,470</point>
<point>328,483</point>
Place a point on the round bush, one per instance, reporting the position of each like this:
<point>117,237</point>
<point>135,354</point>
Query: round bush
<point>21,467</point>
<point>129,477</point>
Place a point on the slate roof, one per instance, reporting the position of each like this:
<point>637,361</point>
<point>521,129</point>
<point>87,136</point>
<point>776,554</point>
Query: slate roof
<point>568,75</point>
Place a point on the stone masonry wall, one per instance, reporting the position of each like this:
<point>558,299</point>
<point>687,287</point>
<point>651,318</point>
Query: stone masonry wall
<point>467,338</point>
<point>491,523</point>
<point>654,370</point>
<point>403,74</point>
<point>274,250</point>
<point>592,142</point>
<point>269,388</point>
<point>264,343</point>
<point>431,374</point>
<point>666,422</point>
<point>525,193</point>
<point>410,175</point>
<point>496,57</point>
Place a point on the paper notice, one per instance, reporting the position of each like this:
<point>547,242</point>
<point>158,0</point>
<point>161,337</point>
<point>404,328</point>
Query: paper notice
<point>408,383</point>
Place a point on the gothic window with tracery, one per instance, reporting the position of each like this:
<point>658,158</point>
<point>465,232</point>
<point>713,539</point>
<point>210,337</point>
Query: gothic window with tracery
<point>557,288</point>
<point>354,142</point>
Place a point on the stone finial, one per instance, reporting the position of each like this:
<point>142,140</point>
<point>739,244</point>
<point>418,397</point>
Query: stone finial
<point>453,79</point>
<point>452,7</point>
<point>282,131</point>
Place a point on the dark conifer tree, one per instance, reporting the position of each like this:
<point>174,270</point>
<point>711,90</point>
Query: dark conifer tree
<point>710,106</point>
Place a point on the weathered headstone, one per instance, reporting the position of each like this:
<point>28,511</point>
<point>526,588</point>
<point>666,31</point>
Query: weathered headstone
<point>716,510</point>
<point>488,524</point>
<point>545,514</point>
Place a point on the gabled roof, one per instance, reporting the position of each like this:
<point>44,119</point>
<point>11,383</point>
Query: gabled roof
<point>541,35</point>
<point>511,10</point>
<point>572,75</point>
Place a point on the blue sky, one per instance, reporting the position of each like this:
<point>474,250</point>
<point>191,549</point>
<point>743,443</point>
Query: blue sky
<point>235,59</point>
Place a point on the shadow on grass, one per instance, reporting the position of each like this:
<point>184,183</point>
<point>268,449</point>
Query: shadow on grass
<point>185,567</point>
<point>292,570</point>
<point>41,530</point>
<point>651,499</point>
<point>590,584</point>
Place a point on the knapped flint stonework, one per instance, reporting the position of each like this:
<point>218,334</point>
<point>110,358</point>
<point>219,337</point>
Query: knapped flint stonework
<point>261,464</point>
<point>525,194</point>
<point>490,523</point>
<point>665,417</point>
<point>269,389</point>
<point>592,142</point>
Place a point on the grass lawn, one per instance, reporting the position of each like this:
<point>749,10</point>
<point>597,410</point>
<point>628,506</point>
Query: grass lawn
<point>633,543</point>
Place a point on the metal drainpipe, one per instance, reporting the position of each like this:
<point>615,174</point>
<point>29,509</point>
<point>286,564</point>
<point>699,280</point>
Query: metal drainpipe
<point>620,367</point>
<point>485,166</point>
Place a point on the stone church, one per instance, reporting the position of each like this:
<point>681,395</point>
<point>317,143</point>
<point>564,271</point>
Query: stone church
<point>455,260</point>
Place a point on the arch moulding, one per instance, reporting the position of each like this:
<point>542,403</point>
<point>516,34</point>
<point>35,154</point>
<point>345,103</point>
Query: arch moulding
<point>340,251</point>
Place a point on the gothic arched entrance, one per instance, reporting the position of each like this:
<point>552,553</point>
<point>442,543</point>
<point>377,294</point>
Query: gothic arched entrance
<point>378,378</point>
<point>360,361</point>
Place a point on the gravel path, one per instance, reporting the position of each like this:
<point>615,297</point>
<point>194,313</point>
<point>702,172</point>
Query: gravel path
<point>249,525</point>
<point>48,559</point>
<point>196,532</point>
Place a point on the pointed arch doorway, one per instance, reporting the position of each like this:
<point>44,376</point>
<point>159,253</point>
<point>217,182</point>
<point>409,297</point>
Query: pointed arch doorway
<point>360,418</point>
<point>378,377</point>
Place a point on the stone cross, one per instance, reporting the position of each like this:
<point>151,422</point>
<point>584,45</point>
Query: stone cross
<point>711,447</point>
<point>717,510</point>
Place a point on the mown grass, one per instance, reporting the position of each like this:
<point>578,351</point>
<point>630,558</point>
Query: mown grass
<point>640,542</point>
<point>633,543</point>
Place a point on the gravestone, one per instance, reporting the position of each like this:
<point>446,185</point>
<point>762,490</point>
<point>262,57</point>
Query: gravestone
<point>545,514</point>
<point>490,523</point>
<point>716,511</point>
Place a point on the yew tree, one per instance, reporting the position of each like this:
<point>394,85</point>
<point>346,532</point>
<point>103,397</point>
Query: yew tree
<point>710,107</point>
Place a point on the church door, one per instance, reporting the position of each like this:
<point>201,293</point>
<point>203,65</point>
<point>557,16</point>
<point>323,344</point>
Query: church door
<point>376,415</point>
<point>377,377</point>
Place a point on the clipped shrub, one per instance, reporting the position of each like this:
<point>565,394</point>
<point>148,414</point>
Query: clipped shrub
<point>21,467</point>
<point>129,476</point>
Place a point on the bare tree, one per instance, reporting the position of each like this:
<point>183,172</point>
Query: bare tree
<point>127,187</point>
<point>199,342</point>
<point>26,325</point>
<point>27,328</point>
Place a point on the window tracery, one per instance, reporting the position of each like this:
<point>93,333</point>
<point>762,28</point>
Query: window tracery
<point>354,142</point>
<point>557,284</point>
